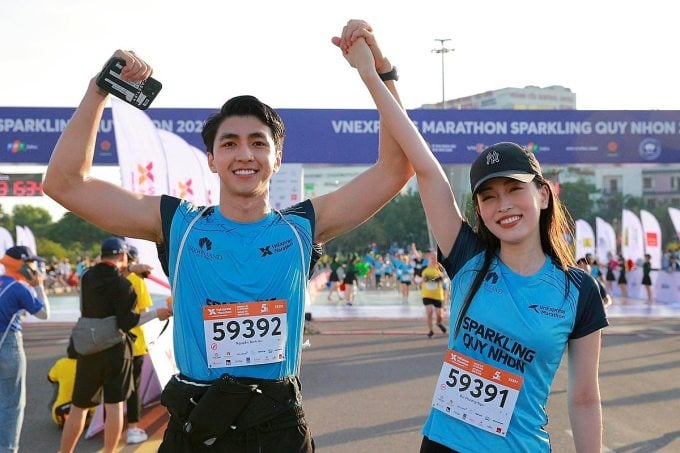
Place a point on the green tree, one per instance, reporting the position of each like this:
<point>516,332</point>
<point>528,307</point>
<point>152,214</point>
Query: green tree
<point>72,231</point>
<point>400,222</point>
<point>37,219</point>
<point>576,197</point>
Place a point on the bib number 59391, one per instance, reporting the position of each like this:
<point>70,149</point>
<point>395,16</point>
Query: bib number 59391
<point>477,393</point>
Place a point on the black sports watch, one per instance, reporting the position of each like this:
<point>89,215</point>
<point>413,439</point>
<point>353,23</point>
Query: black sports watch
<point>390,75</point>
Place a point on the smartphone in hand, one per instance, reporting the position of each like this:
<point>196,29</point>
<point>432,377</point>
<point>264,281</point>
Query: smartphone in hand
<point>29,274</point>
<point>139,94</point>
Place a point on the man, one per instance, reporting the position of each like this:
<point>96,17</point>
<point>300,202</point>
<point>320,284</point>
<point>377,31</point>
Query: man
<point>21,288</point>
<point>105,292</point>
<point>239,269</point>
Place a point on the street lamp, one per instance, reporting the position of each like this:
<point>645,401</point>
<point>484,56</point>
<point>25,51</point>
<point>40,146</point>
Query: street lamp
<point>443,51</point>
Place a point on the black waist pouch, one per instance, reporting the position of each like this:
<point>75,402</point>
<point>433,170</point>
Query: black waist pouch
<point>218,409</point>
<point>180,398</point>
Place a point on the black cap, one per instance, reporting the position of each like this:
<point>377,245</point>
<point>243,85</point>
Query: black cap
<point>21,252</point>
<point>113,246</point>
<point>503,160</point>
<point>132,252</point>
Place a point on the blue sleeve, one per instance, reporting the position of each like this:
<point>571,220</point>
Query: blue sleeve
<point>590,314</point>
<point>169,206</point>
<point>305,210</point>
<point>466,246</point>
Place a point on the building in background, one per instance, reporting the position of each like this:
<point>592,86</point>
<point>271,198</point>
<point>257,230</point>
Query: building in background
<point>531,97</point>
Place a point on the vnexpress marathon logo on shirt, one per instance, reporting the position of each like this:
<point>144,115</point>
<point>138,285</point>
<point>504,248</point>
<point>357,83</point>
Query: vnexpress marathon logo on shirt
<point>268,250</point>
<point>548,311</point>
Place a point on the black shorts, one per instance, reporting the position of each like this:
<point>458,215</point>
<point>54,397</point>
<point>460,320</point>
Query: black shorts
<point>429,446</point>
<point>428,301</point>
<point>109,371</point>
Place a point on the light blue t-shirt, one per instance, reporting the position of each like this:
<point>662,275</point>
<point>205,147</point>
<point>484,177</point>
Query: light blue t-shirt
<point>226,262</point>
<point>519,324</point>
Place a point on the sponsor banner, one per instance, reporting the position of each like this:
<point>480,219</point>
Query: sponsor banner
<point>28,135</point>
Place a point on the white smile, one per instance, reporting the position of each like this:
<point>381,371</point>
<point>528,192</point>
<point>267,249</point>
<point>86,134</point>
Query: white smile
<point>244,172</point>
<point>507,220</point>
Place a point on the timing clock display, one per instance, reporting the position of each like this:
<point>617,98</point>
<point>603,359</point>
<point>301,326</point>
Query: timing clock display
<point>21,185</point>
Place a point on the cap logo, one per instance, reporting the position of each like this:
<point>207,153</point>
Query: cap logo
<point>492,158</point>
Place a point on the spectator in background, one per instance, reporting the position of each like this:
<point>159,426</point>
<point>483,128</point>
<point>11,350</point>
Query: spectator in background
<point>646,277</point>
<point>606,298</point>
<point>433,293</point>
<point>21,289</point>
<point>350,280</point>
<point>334,278</point>
<point>63,375</point>
<point>136,273</point>
<point>623,281</point>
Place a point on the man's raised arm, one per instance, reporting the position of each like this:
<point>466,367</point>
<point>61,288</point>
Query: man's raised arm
<point>68,179</point>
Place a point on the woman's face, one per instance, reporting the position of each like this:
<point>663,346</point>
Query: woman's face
<point>511,209</point>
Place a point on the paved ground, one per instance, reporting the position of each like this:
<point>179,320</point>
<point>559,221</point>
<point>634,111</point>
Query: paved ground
<point>368,383</point>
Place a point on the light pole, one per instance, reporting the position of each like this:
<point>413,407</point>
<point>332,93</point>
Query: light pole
<point>443,51</point>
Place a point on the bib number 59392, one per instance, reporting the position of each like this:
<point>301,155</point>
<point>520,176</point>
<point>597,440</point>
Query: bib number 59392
<point>247,328</point>
<point>244,334</point>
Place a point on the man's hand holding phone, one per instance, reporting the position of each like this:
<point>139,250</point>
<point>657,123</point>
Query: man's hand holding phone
<point>128,77</point>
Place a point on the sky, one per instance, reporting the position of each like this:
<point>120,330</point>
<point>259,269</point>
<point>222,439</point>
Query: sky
<point>614,55</point>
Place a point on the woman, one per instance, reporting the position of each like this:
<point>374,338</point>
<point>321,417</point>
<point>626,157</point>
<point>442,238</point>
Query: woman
<point>349,280</point>
<point>334,279</point>
<point>516,302</point>
<point>432,290</point>
<point>623,281</point>
<point>646,277</point>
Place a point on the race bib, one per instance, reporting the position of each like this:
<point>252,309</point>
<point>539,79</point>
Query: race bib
<point>431,286</point>
<point>244,334</point>
<point>477,393</point>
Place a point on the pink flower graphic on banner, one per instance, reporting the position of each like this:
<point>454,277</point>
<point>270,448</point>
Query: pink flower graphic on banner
<point>185,188</point>
<point>145,173</point>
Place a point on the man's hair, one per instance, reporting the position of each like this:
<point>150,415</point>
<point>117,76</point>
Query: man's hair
<point>244,106</point>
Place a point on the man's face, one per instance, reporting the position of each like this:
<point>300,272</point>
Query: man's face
<point>244,156</point>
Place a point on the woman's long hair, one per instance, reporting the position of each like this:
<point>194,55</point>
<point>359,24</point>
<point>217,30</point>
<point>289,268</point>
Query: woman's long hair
<point>555,225</point>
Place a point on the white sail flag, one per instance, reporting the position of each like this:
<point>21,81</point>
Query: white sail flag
<point>675,218</point>
<point>140,151</point>
<point>6,240</point>
<point>632,242</point>
<point>652,237</point>
<point>142,170</point>
<point>185,175</point>
<point>25,237</point>
<point>585,239</point>
<point>210,179</point>
<point>606,241</point>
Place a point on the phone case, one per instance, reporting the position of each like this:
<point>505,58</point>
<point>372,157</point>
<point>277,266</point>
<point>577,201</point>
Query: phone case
<point>27,272</point>
<point>138,94</point>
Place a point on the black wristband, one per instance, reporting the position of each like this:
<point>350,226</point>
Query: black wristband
<point>390,75</point>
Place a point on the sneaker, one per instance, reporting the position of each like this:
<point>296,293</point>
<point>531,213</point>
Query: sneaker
<point>430,334</point>
<point>442,328</point>
<point>136,436</point>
